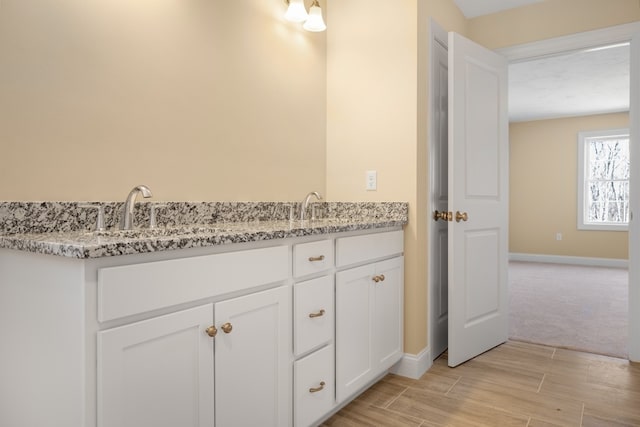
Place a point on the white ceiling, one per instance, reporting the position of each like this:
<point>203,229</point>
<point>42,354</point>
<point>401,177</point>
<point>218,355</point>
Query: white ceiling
<point>475,8</point>
<point>574,84</point>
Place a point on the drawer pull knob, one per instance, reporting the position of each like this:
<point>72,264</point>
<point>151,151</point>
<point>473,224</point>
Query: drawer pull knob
<point>316,258</point>
<point>317,389</point>
<point>227,327</point>
<point>212,331</point>
<point>318,314</point>
<point>379,278</point>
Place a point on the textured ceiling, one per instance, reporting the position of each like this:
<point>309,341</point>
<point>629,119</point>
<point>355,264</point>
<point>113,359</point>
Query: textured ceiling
<point>573,84</point>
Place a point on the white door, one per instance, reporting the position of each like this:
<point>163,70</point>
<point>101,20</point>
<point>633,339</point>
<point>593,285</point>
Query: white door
<point>478,199</point>
<point>438,229</point>
<point>157,372</point>
<point>634,227</point>
<point>388,319</point>
<point>252,360</point>
<point>354,330</point>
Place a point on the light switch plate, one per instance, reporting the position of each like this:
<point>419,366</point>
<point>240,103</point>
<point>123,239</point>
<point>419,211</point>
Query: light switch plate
<point>372,181</point>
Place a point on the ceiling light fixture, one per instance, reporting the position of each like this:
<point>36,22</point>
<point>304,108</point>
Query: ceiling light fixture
<point>296,12</point>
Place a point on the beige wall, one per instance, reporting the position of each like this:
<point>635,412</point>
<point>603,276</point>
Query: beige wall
<point>550,18</point>
<point>543,189</point>
<point>209,100</point>
<point>371,119</point>
<point>377,120</point>
<point>199,99</point>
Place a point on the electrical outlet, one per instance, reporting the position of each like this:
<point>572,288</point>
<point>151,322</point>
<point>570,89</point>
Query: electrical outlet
<point>558,236</point>
<point>372,181</point>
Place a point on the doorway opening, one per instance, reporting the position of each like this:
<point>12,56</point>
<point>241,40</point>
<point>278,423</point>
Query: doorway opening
<point>569,120</point>
<point>438,277</point>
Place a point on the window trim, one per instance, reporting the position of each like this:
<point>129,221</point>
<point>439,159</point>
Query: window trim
<point>582,160</point>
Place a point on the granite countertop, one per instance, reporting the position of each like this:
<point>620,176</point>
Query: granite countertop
<point>83,244</point>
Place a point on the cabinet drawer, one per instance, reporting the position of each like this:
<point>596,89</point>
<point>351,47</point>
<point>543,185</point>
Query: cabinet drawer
<point>312,399</point>
<point>312,257</point>
<point>355,249</point>
<point>314,314</point>
<point>132,289</point>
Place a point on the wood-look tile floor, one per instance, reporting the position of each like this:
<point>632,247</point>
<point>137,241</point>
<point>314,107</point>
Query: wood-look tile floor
<point>515,384</point>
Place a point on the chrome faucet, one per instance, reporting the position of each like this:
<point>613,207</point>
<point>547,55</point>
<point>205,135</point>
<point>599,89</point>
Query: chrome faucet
<point>305,203</point>
<point>127,212</point>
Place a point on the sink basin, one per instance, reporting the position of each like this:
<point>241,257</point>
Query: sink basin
<point>142,233</point>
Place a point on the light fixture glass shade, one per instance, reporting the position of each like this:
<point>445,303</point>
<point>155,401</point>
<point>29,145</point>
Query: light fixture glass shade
<point>296,11</point>
<point>315,22</point>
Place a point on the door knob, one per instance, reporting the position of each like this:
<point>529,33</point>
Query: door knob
<point>461,216</point>
<point>212,331</point>
<point>445,216</point>
<point>226,328</point>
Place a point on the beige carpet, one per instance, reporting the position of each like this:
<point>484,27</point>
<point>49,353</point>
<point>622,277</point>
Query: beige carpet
<point>569,306</point>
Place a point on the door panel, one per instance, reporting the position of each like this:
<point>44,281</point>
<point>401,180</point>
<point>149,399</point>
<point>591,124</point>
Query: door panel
<point>481,161</point>
<point>478,187</point>
<point>442,296</point>
<point>482,297</point>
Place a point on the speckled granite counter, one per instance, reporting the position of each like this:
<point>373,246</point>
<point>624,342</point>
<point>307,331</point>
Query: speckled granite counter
<point>63,229</point>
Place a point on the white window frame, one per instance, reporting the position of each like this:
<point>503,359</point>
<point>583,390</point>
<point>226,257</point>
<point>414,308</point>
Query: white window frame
<point>583,137</point>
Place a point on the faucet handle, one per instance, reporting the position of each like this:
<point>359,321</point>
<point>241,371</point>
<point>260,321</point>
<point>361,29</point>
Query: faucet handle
<point>292,210</point>
<point>319,210</point>
<point>100,220</point>
<point>153,214</point>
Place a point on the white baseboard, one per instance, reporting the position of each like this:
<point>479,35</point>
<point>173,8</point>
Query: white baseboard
<point>413,366</point>
<point>574,260</point>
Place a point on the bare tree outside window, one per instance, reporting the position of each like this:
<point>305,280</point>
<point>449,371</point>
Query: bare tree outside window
<point>604,180</point>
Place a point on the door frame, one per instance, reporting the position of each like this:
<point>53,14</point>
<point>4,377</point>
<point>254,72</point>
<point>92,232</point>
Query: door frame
<point>437,35</point>
<point>537,49</point>
<point>585,40</point>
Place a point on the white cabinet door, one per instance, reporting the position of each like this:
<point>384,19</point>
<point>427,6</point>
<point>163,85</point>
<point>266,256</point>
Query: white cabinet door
<point>157,372</point>
<point>388,319</point>
<point>369,323</point>
<point>252,360</point>
<point>354,330</point>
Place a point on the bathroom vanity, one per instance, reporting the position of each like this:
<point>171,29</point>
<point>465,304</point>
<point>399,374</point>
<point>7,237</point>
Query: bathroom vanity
<point>256,323</point>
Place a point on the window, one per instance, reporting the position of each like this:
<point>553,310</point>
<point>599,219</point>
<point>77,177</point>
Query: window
<point>603,180</point>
